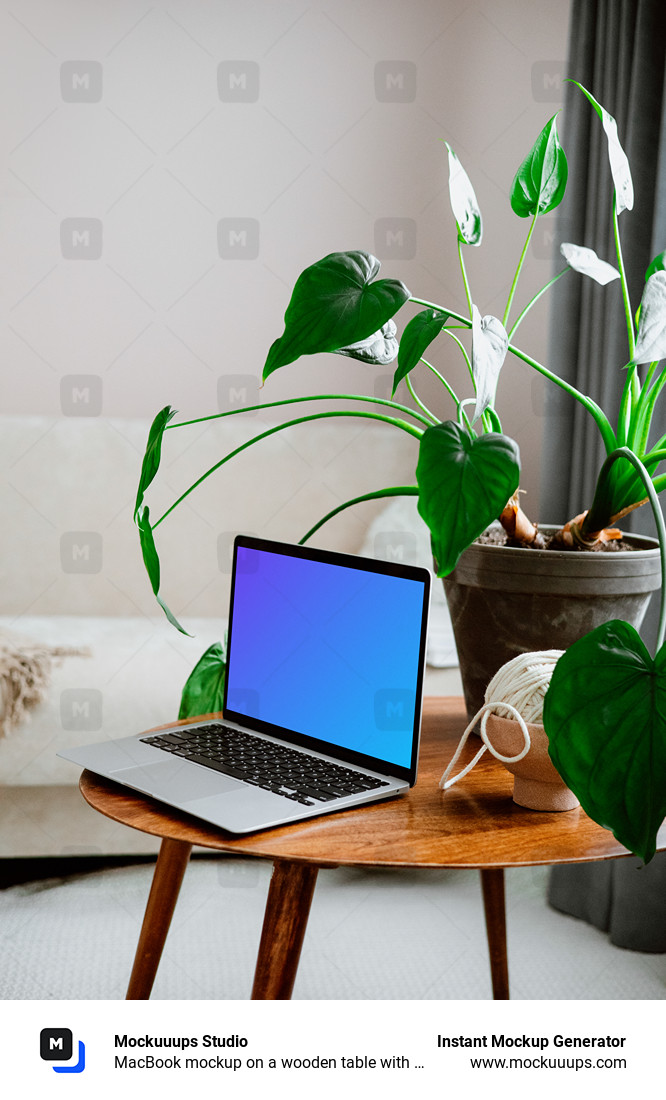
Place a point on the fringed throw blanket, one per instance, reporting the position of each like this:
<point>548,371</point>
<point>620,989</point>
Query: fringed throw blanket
<point>25,675</point>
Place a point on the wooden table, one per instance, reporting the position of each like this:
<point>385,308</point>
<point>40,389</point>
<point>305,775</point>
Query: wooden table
<point>474,825</point>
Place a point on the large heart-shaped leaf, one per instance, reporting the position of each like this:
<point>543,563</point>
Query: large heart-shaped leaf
<point>651,339</point>
<point>336,302</point>
<point>464,483</point>
<point>489,347</point>
<point>204,689</point>
<point>605,716</point>
<point>619,164</point>
<point>419,333</point>
<point>463,202</point>
<point>151,459</point>
<point>541,180</point>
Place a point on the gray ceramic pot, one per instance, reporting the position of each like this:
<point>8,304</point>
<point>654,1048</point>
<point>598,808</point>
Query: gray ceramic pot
<point>505,601</point>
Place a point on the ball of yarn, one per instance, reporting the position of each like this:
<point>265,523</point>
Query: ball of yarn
<point>523,682</point>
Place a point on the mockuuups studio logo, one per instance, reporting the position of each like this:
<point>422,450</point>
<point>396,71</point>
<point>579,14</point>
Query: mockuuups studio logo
<point>394,709</point>
<point>548,81</point>
<point>81,238</point>
<point>81,552</point>
<point>395,238</point>
<point>81,81</point>
<point>56,1044</point>
<point>81,395</point>
<point>397,546</point>
<point>395,81</point>
<point>238,238</point>
<point>238,81</point>
<point>237,391</point>
<point>81,709</point>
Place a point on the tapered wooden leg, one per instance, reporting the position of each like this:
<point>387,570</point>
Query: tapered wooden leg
<point>286,918</point>
<point>492,885</point>
<point>167,878</point>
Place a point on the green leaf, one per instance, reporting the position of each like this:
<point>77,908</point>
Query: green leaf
<point>418,335</point>
<point>541,180</point>
<point>464,483</point>
<point>151,459</point>
<point>204,689</point>
<point>336,302</point>
<point>463,202</point>
<point>605,716</point>
<point>619,164</point>
<point>152,562</point>
<point>658,264</point>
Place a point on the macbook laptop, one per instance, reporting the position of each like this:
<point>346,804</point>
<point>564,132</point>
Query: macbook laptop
<point>322,700</point>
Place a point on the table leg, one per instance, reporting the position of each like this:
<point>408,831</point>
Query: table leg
<point>492,885</point>
<point>167,877</point>
<point>287,911</point>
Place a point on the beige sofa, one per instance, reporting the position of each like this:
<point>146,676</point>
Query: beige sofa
<point>71,574</point>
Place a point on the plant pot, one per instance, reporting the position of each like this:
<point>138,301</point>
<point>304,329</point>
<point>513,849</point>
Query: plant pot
<point>505,601</point>
<point>536,783</point>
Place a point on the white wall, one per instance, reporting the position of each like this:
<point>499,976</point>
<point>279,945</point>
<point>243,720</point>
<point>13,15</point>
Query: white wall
<point>117,114</point>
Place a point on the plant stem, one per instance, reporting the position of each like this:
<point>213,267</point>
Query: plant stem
<point>449,390</point>
<point>597,414</point>
<point>297,400</point>
<point>464,277</point>
<point>535,299</point>
<point>625,290</point>
<point>599,417</point>
<point>505,319</point>
<point>278,428</point>
<point>464,352</point>
<point>419,402</point>
<point>396,491</point>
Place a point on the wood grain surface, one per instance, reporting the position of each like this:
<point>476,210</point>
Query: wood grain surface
<point>475,824</point>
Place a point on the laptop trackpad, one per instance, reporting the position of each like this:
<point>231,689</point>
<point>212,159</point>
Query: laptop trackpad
<point>174,781</point>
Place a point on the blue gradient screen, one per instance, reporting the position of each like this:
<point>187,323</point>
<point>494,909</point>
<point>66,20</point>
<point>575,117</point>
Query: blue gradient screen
<point>325,650</point>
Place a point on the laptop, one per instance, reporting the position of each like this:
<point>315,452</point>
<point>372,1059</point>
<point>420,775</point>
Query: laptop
<point>322,699</point>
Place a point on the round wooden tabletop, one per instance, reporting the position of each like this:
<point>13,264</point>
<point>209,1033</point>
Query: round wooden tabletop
<point>475,824</point>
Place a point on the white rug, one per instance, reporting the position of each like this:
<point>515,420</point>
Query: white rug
<point>371,935</point>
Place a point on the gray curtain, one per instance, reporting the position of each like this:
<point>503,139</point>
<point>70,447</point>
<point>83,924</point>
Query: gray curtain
<point>617,51</point>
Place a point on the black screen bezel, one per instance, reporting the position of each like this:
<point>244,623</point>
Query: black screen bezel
<point>370,565</point>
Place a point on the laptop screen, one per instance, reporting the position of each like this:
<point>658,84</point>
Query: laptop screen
<point>328,647</point>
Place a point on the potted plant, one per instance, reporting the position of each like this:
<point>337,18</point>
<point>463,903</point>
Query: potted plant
<point>468,470</point>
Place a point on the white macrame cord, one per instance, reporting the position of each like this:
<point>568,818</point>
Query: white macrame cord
<point>519,688</point>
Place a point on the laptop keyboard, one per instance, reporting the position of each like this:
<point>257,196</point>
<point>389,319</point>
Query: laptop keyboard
<point>266,764</point>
